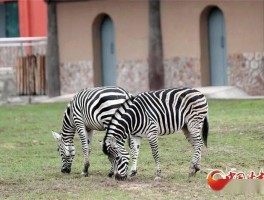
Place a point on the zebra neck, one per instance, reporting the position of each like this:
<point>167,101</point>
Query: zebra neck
<point>68,124</point>
<point>124,118</point>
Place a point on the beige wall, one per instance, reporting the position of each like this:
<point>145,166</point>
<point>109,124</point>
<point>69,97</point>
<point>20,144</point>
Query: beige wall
<point>181,26</point>
<point>75,28</point>
<point>74,32</point>
<point>185,40</point>
<point>244,26</point>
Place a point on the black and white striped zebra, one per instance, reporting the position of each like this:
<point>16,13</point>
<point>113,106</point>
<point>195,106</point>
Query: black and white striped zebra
<point>155,113</point>
<point>90,109</point>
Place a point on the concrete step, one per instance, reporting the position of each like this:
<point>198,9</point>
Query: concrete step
<point>225,92</point>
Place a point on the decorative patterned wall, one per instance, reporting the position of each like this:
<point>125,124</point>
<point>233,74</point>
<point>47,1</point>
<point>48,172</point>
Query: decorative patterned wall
<point>182,72</point>
<point>7,83</point>
<point>179,72</point>
<point>246,71</point>
<point>75,76</point>
<point>133,75</point>
<point>8,56</point>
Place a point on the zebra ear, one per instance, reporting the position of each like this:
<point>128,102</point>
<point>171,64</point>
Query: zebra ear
<point>56,136</point>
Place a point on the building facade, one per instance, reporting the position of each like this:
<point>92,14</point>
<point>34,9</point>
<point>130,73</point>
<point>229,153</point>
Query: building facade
<point>19,21</point>
<point>205,43</point>
<point>23,18</point>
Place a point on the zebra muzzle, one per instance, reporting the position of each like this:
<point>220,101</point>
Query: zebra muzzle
<point>66,170</point>
<point>120,178</point>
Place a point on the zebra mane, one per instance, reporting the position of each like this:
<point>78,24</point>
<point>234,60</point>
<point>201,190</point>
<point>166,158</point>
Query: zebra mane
<point>122,106</point>
<point>131,97</point>
<point>68,118</point>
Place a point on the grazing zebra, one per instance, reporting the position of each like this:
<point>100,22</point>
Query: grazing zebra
<point>151,114</point>
<point>90,109</point>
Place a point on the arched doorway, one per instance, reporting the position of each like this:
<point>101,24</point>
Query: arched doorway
<point>108,55</point>
<point>213,47</point>
<point>217,47</point>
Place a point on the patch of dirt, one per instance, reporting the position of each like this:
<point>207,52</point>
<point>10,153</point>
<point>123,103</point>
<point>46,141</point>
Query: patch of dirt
<point>141,184</point>
<point>134,186</point>
<point>62,187</point>
<point>225,149</point>
<point>11,182</point>
<point>8,146</point>
<point>157,188</point>
<point>9,186</point>
<point>30,143</point>
<point>49,167</point>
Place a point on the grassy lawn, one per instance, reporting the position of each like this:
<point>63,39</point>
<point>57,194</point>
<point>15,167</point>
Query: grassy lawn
<point>30,165</point>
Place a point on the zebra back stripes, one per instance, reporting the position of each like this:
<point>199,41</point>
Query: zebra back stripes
<point>156,113</point>
<point>90,109</point>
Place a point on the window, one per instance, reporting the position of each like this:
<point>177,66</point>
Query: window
<point>9,25</point>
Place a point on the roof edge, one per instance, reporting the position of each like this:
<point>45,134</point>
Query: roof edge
<point>60,1</point>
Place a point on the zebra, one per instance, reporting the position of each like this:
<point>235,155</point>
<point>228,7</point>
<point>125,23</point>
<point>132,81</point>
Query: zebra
<point>151,114</point>
<point>90,109</point>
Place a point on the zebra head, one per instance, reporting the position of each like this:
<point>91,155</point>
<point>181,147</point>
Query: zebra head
<point>66,151</point>
<point>118,156</point>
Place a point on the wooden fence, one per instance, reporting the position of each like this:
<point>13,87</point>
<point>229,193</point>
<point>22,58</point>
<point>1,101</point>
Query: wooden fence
<point>31,75</point>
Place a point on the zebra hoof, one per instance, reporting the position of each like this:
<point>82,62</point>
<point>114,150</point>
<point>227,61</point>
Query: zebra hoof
<point>85,174</point>
<point>133,173</point>
<point>157,178</point>
<point>110,174</point>
<point>193,170</point>
<point>66,170</point>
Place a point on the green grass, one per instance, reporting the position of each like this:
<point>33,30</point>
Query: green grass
<point>30,164</point>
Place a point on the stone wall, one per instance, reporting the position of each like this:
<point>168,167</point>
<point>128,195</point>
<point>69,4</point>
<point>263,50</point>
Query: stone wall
<point>8,66</point>
<point>246,71</point>
<point>8,56</point>
<point>8,60</point>
<point>7,83</point>
<point>182,72</point>
<point>75,76</point>
<point>179,72</point>
<point>133,75</point>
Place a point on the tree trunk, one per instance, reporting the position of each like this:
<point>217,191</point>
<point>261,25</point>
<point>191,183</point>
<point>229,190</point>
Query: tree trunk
<point>52,56</point>
<point>155,59</point>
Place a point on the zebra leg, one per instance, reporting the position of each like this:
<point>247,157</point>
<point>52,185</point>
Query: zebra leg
<point>187,133</point>
<point>194,137</point>
<point>90,140</point>
<point>84,142</point>
<point>111,173</point>
<point>153,141</point>
<point>134,146</point>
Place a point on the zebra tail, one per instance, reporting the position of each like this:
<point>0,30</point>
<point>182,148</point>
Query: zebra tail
<point>205,131</point>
